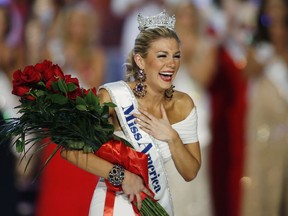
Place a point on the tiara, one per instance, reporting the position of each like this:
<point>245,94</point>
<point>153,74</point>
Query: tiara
<point>160,20</point>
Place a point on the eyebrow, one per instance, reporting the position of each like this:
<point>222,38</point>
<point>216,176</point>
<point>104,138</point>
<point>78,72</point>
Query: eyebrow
<point>178,52</point>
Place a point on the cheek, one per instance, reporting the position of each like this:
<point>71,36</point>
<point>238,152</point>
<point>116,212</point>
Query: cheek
<point>154,66</point>
<point>177,64</point>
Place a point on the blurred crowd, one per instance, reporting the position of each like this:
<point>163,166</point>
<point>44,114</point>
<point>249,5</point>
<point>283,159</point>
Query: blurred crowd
<point>234,64</point>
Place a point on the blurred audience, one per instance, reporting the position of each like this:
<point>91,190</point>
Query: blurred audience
<point>42,24</point>
<point>228,105</point>
<point>265,181</point>
<point>75,46</point>
<point>11,55</point>
<point>198,64</point>
<point>235,71</point>
<point>13,196</point>
<point>72,41</point>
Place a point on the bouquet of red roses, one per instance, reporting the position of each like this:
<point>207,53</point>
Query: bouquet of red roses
<point>54,107</point>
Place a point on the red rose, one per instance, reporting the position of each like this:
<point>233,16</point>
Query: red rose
<point>51,72</point>
<point>20,90</point>
<point>30,97</point>
<point>17,80</point>
<point>94,91</point>
<point>69,79</point>
<point>30,75</point>
<point>86,91</point>
<point>47,74</point>
<point>74,94</point>
<point>50,81</point>
<point>57,71</point>
<point>43,66</point>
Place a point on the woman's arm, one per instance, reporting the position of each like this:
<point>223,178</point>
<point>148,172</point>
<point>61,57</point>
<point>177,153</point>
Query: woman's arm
<point>88,162</point>
<point>187,158</point>
<point>132,184</point>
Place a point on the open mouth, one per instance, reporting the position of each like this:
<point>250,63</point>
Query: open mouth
<point>166,76</point>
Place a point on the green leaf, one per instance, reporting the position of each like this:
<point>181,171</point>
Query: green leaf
<point>55,86</point>
<point>39,93</point>
<point>80,101</point>
<point>62,86</point>
<point>110,104</point>
<point>71,87</point>
<point>81,107</point>
<point>20,146</point>
<point>87,149</point>
<point>91,99</point>
<point>73,144</point>
<point>58,99</point>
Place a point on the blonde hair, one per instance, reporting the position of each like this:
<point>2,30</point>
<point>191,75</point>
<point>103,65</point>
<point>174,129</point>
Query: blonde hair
<point>142,45</point>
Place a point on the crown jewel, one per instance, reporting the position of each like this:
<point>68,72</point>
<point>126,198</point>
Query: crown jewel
<point>160,20</point>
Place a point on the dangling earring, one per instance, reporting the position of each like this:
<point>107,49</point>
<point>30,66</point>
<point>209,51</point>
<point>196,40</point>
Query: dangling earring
<point>140,88</point>
<point>169,92</point>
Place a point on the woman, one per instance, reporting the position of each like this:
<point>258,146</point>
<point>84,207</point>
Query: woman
<point>76,45</point>
<point>154,118</point>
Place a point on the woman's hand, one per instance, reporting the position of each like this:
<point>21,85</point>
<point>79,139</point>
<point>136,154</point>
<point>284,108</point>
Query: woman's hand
<point>132,186</point>
<point>160,129</point>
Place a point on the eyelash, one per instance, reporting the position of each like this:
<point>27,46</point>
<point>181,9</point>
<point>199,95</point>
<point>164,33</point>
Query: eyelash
<point>163,56</point>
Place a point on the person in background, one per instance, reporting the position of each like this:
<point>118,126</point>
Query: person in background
<point>75,46</point>
<point>198,64</point>
<point>265,178</point>
<point>228,107</point>
<point>11,55</point>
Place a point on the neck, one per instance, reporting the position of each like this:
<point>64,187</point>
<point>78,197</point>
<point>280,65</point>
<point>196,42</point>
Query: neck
<point>151,100</point>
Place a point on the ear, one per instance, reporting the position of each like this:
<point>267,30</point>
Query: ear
<point>139,61</point>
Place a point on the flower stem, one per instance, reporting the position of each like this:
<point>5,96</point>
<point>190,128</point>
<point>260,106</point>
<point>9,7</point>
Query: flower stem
<point>151,208</point>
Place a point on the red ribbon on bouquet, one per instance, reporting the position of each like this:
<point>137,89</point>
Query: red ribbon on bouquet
<point>116,152</point>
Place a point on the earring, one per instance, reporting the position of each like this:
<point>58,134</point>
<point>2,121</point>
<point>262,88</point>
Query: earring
<point>140,88</point>
<point>169,92</point>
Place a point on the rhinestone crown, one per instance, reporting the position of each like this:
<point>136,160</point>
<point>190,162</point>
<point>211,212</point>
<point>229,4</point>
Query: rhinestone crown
<point>160,20</point>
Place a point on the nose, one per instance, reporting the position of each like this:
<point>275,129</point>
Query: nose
<point>171,63</point>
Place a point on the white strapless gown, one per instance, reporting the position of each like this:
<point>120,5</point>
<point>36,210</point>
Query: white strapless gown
<point>187,130</point>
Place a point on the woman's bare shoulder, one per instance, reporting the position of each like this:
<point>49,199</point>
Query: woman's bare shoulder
<point>104,95</point>
<point>183,103</point>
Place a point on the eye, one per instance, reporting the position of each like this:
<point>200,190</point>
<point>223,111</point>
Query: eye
<point>177,56</point>
<point>162,56</point>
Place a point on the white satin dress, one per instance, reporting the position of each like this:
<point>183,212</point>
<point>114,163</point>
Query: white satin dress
<point>187,130</point>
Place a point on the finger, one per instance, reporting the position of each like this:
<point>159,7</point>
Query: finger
<point>142,123</point>
<point>131,197</point>
<point>146,130</point>
<point>147,114</point>
<point>143,118</point>
<point>139,201</point>
<point>146,191</point>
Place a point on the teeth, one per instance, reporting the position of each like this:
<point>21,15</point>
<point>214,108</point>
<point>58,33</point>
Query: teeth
<point>166,73</point>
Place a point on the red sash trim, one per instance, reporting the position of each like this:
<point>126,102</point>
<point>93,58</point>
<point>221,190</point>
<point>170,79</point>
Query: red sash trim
<point>109,202</point>
<point>117,152</point>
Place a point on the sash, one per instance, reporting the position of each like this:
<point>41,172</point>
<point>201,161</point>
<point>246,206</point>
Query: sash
<point>126,102</point>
